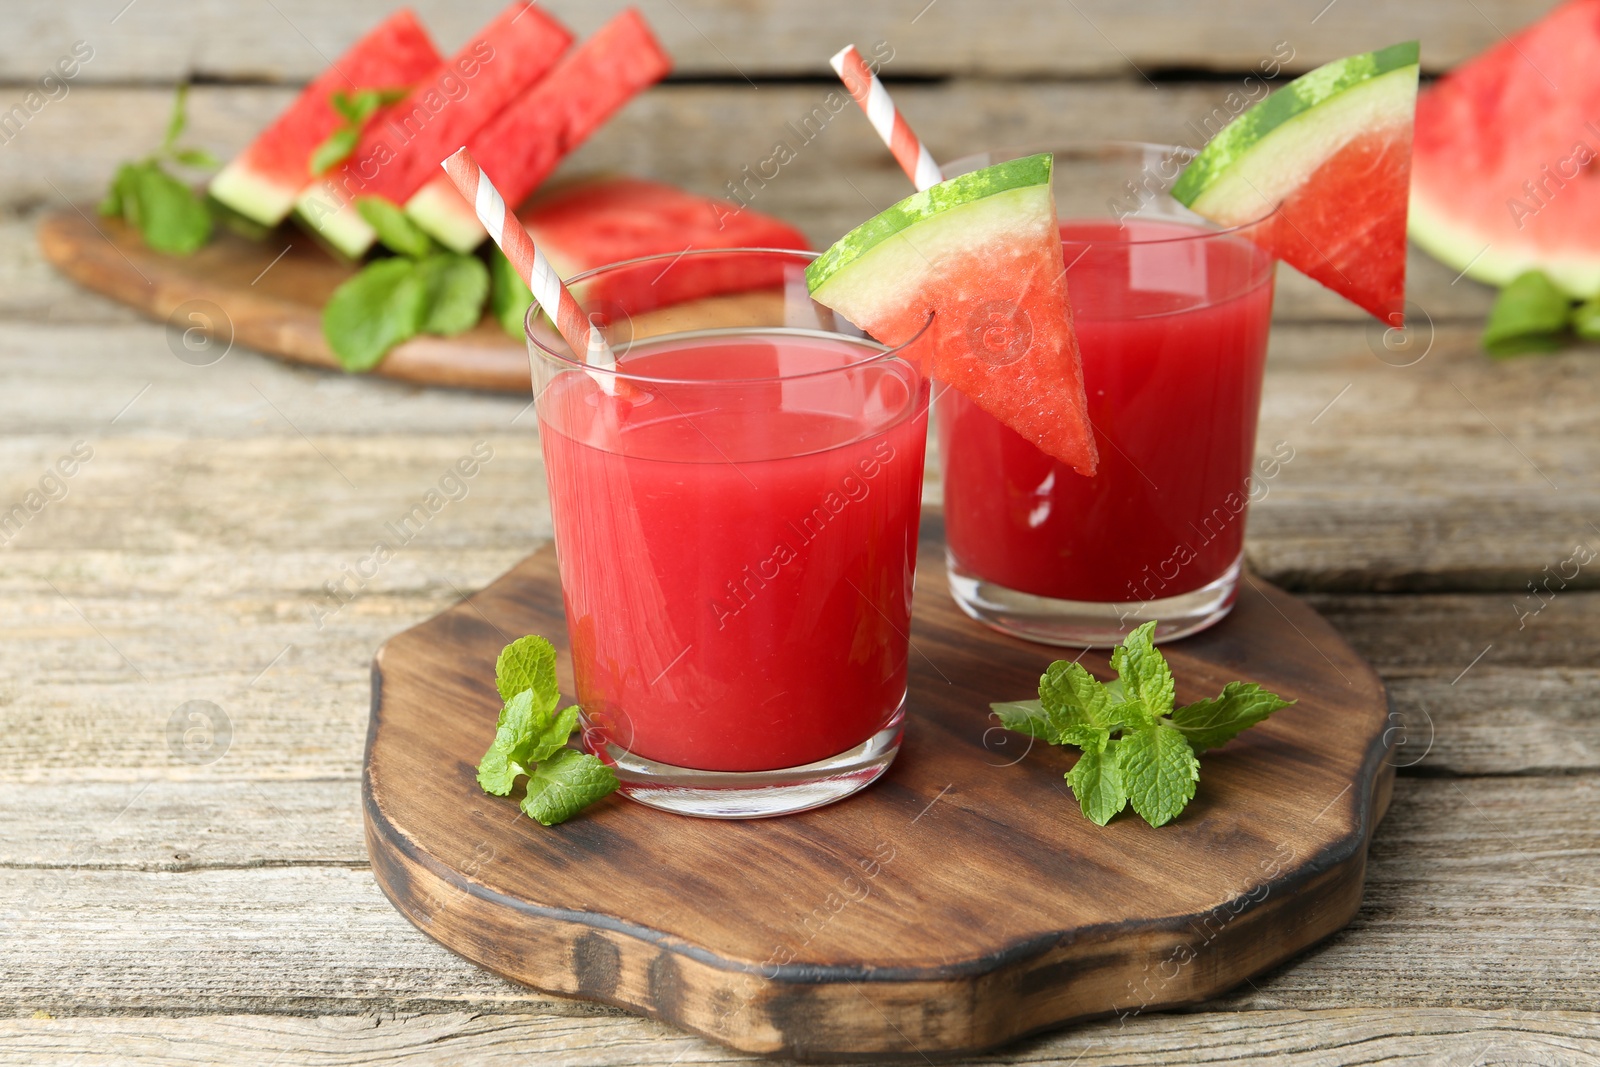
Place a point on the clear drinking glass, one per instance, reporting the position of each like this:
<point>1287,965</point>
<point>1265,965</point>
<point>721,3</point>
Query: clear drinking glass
<point>735,508</point>
<point>1172,315</point>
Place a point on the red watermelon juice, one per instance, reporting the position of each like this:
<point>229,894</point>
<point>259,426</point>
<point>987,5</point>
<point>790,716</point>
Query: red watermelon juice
<point>736,533</point>
<point>1172,322</point>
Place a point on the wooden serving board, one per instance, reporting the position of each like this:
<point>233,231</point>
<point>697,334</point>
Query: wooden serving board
<point>268,296</point>
<point>959,902</point>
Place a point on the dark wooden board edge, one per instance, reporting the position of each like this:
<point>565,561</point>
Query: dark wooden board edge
<point>818,1013</point>
<point>103,255</point>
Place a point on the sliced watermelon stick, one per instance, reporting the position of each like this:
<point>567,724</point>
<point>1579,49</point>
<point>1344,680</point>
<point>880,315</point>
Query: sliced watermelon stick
<point>526,141</point>
<point>262,182</point>
<point>401,148</point>
<point>608,220</point>
<point>982,252</point>
<point>1332,152</point>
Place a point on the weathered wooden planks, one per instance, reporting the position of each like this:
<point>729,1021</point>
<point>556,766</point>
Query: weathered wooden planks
<point>1342,1037</point>
<point>167,40</point>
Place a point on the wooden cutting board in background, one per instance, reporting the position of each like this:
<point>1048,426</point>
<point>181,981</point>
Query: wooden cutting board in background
<point>959,902</point>
<point>268,296</point>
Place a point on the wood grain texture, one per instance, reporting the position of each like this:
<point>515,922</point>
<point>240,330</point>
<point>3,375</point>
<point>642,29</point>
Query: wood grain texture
<point>1350,1037</point>
<point>994,923</point>
<point>168,40</point>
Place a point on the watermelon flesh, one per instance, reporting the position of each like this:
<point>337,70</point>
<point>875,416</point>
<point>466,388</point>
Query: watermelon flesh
<point>982,253</point>
<point>1505,178</point>
<point>261,183</point>
<point>522,145</point>
<point>1328,158</point>
<point>401,148</point>
<point>608,220</point>
<point>1345,226</point>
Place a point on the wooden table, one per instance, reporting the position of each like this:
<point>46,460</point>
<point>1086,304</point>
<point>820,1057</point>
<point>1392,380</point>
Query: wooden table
<point>164,904</point>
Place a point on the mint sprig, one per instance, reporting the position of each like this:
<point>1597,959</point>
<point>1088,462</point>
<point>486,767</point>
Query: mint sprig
<point>357,109</point>
<point>1136,748</point>
<point>530,739</point>
<point>422,289</point>
<point>169,215</point>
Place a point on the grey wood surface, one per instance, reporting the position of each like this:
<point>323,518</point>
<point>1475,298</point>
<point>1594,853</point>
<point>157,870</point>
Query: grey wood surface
<point>155,909</point>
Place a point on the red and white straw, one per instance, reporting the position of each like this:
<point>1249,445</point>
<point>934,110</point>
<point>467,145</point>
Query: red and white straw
<point>549,291</point>
<point>912,155</point>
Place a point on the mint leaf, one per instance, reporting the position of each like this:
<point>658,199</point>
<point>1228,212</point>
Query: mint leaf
<point>509,296</point>
<point>565,784</point>
<point>1096,780</point>
<point>167,213</point>
<point>1160,771</point>
<point>508,754</point>
<point>553,732</point>
<point>1143,671</point>
<point>1209,723</point>
<point>1027,717</point>
<point>382,305</point>
<point>395,229</point>
<point>457,286</point>
<point>1530,315</point>
<point>1586,319</point>
<point>356,111</point>
<point>528,663</point>
<point>1073,696</point>
<point>334,150</point>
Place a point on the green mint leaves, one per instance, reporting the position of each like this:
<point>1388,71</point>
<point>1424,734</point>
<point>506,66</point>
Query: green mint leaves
<point>423,289</point>
<point>356,110</point>
<point>530,739</point>
<point>169,215</point>
<point>1532,314</point>
<point>1137,750</point>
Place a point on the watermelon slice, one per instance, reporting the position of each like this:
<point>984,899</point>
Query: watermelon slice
<point>262,182</point>
<point>523,144</point>
<point>982,252</point>
<point>1332,152</point>
<point>401,148</point>
<point>1504,176</point>
<point>608,220</point>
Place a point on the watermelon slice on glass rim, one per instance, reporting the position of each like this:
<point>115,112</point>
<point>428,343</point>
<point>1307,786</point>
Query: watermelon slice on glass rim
<point>1331,152</point>
<point>982,252</point>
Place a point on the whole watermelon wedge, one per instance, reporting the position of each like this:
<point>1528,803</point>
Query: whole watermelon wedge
<point>1506,163</point>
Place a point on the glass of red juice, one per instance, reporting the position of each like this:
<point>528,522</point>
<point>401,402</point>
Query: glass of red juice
<point>1171,315</point>
<point>735,506</point>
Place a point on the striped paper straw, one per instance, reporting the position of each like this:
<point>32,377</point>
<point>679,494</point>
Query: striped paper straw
<point>549,291</point>
<point>869,92</point>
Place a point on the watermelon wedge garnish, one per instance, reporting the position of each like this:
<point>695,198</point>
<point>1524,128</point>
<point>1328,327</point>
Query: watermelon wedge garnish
<point>1504,173</point>
<point>401,147</point>
<point>609,220</point>
<point>982,252</point>
<point>261,182</point>
<point>1332,152</point>
<point>531,135</point>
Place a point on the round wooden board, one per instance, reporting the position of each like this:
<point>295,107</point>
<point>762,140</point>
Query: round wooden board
<point>268,295</point>
<point>956,904</point>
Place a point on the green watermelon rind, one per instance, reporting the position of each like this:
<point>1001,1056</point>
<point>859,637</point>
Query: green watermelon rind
<point>918,209</point>
<point>1481,259</point>
<point>1280,135</point>
<point>445,216</point>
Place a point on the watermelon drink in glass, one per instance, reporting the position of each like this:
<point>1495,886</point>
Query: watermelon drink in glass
<point>735,506</point>
<point>1171,315</point>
